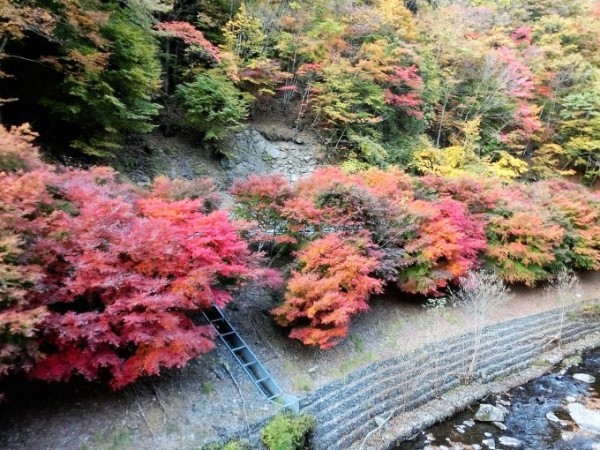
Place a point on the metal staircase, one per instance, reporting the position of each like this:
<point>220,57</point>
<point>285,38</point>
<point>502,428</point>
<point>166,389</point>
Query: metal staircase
<point>249,362</point>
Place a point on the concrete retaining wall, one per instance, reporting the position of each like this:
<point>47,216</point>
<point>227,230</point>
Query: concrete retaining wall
<point>345,409</point>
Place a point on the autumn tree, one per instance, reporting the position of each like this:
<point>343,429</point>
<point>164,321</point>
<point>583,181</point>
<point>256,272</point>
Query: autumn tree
<point>101,279</point>
<point>332,284</point>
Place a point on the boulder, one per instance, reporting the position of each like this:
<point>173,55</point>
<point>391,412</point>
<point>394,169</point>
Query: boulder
<point>503,409</point>
<point>500,426</point>
<point>489,443</point>
<point>584,377</point>
<point>489,413</point>
<point>586,419</point>
<point>510,442</point>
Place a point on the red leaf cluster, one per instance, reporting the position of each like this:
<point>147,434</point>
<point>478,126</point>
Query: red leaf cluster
<point>421,233</point>
<point>120,271</point>
<point>190,36</point>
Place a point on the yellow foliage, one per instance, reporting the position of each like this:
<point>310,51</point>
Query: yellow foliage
<point>457,161</point>
<point>376,58</point>
<point>506,166</point>
<point>395,15</point>
<point>546,161</point>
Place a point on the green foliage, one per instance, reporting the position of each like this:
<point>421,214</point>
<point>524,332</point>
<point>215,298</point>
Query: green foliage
<point>288,432</point>
<point>580,130</point>
<point>111,95</point>
<point>213,105</point>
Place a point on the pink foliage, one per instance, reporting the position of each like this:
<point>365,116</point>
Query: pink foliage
<point>190,36</point>
<point>522,35</point>
<point>410,102</point>
<point>408,76</point>
<point>518,77</point>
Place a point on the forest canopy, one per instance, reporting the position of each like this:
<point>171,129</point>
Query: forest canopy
<point>509,88</point>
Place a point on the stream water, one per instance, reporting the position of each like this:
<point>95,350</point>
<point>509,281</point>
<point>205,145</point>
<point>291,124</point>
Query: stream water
<point>526,419</point>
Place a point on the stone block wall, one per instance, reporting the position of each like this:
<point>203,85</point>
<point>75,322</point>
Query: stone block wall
<point>345,409</point>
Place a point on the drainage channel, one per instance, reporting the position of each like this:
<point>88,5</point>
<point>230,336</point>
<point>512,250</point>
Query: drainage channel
<point>248,360</point>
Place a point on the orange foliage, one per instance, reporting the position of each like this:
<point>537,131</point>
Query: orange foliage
<point>333,284</point>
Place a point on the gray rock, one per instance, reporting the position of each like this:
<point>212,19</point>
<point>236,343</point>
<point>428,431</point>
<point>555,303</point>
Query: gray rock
<point>552,417</point>
<point>476,447</point>
<point>500,426</point>
<point>570,399</point>
<point>489,413</point>
<point>586,419</point>
<point>503,409</point>
<point>584,377</point>
<point>489,443</point>
<point>380,421</point>
<point>251,152</point>
<point>469,423</point>
<point>510,442</point>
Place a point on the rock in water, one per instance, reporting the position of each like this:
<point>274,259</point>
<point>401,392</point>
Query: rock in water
<point>489,413</point>
<point>584,377</point>
<point>510,442</point>
<point>489,443</point>
<point>500,426</point>
<point>552,417</point>
<point>586,419</point>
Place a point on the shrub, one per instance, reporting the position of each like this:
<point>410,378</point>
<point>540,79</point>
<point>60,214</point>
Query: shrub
<point>522,246</point>
<point>422,234</point>
<point>288,432</point>
<point>213,105</point>
<point>333,284</point>
<point>260,201</point>
<point>577,211</point>
<point>446,246</point>
<point>106,277</point>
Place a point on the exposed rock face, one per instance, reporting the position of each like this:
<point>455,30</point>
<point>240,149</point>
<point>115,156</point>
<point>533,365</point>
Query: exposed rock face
<point>586,419</point>
<point>489,413</point>
<point>251,152</point>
